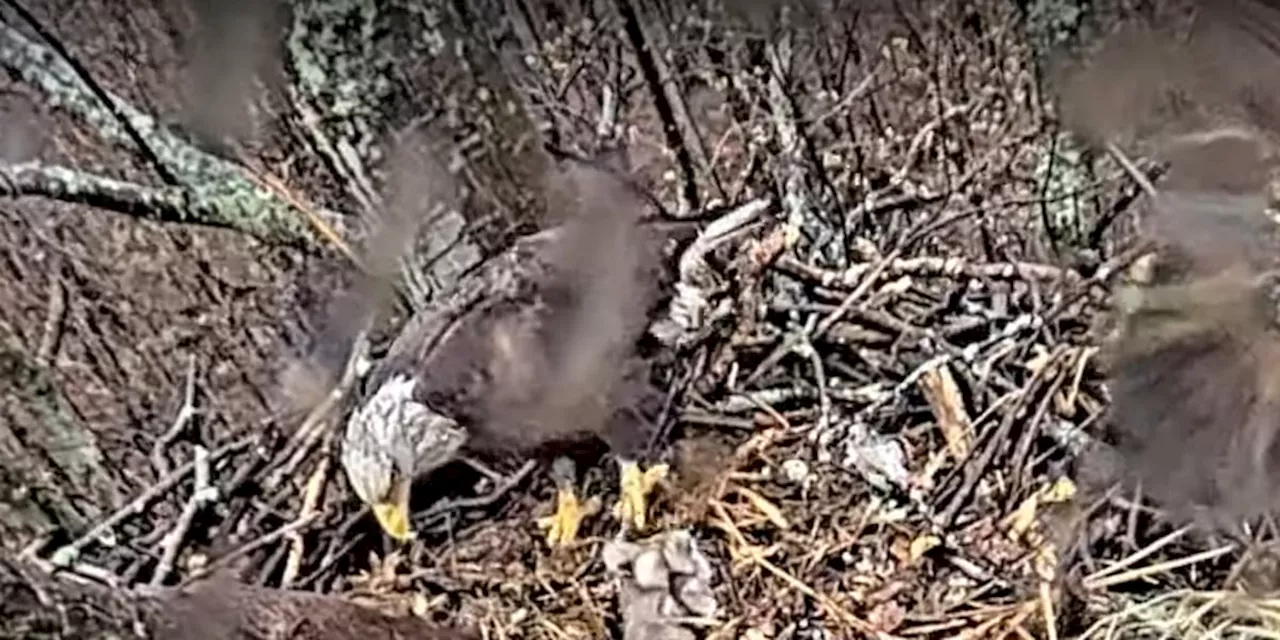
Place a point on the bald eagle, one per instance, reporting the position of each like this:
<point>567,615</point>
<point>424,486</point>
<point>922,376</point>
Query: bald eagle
<point>536,347</point>
<point>1192,363</point>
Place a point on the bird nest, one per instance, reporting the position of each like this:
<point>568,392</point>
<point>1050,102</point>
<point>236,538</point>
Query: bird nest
<point>885,421</point>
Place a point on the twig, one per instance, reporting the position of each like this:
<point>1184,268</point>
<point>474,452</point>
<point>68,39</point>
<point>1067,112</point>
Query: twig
<point>54,314</point>
<point>252,210</point>
<point>1132,169</point>
<point>269,182</point>
<point>332,555</point>
<point>310,499</point>
<point>927,267</point>
<point>77,571</point>
<point>976,466</point>
<point>202,493</point>
<point>968,354</point>
<point>789,344</point>
<point>247,548</point>
<point>67,554</point>
<point>1046,607</point>
<point>742,402</point>
<point>650,69</point>
<point>606,126</point>
<point>686,313</point>
<point>1134,558</point>
<point>1161,567</point>
<point>186,413</point>
<point>693,262</point>
<point>753,553</point>
<point>164,204</point>
<point>820,376</point>
<point>1031,429</point>
<point>304,439</point>
<point>420,522</point>
<point>427,517</point>
<point>481,468</point>
<point>796,201</point>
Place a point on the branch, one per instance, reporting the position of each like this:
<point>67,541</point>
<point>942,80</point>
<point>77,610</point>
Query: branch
<point>210,191</point>
<point>83,74</point>
<point>36,604</point>
<point>161,204</point>
<point>662,102</point>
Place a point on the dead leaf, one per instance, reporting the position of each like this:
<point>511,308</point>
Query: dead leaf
<point>922,545</point>
<point>1062,490</point>
<point>943,395</point>
<point>927,479</point>
<point>1023,519</point>
<point>887,617</point>
<point>764,251</point>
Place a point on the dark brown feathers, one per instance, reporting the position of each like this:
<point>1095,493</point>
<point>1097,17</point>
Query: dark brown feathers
<point>1195,364</point>
<point>1196,415</point>
<point>548,354</point>
<point>36,603</point>
<point>227,610</point>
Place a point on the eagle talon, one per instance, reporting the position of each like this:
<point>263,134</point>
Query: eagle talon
<point>635,487</point>
<point>562,526</point>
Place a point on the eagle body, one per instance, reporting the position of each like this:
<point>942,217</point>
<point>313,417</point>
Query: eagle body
<point>1194,369</point>
<point>536,347</point>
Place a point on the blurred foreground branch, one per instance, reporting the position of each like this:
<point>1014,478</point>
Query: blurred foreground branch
<point>36,604</point>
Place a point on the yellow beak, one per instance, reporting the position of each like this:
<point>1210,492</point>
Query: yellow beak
<point>393,515</point>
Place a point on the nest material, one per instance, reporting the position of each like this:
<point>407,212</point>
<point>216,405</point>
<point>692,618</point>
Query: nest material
<point>818,357</point>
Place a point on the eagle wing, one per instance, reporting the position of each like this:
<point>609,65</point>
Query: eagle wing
<point>538,344</point>
<point>1193,365</point>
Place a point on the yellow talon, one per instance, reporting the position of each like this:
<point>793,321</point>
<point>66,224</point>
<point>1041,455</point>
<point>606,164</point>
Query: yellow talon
<point>636,485</point>
<point>562,526</point>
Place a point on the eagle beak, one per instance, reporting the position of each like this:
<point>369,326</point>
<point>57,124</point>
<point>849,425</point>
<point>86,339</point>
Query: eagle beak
<point>393,514</point>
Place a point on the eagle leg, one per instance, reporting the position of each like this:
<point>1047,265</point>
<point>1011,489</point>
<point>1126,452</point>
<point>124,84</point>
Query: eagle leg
<point>562,526</point>
<point>633,495</point>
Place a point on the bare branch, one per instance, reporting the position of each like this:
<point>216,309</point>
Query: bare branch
<point>209,190</point>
